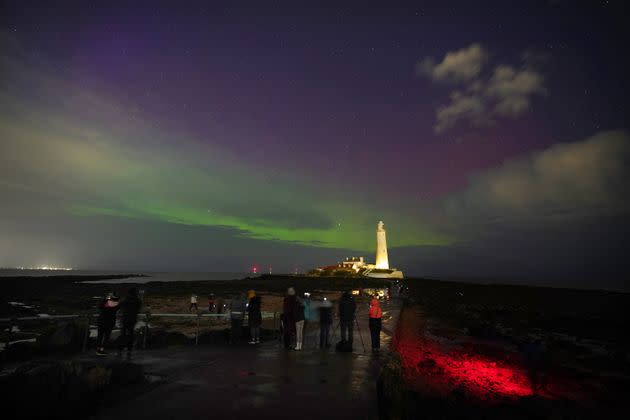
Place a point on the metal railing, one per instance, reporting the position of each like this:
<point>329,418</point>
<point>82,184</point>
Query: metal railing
<point>15,322</point>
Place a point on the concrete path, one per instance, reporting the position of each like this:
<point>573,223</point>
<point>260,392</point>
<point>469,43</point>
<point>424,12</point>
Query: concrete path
<point>262,381</point>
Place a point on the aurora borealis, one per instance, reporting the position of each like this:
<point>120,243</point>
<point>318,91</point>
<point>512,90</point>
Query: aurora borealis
<point>178,137</point>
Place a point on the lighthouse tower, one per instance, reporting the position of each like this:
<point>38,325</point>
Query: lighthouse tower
<point>381,247</point>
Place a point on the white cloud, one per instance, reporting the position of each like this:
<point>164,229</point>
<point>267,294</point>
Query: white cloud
<point>556,217</point>
<point>508,92</point>
<point>463,106</point>
<point>456,66</point>
<point>566,182</point>
<point>512,90</point>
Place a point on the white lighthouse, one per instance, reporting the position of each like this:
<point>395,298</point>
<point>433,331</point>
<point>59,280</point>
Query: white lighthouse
<point>381,247</point>
<point>358,266</point>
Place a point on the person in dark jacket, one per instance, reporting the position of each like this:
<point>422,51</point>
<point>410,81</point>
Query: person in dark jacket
<point>212,305</point>
<point>347,308</point>
<point>288,317</point>
<point>254,317</point>
<point>106,322</point>
<point>325,321</point>
<point>129,309</point>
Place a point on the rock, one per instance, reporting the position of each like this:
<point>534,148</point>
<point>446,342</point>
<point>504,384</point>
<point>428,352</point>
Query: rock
<point>215,337</point>
<point>67,389</point>
<point>427,364</point>
<point>390,388</point>
<point>63,336</point>
<point>161,338</point>
<point>22,351</point>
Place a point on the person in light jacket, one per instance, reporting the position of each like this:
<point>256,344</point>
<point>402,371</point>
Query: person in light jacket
<point>193,303</point>
<point>299,324</point>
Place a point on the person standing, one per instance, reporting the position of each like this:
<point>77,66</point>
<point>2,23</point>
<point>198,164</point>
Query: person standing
<point>106,322</point>
<point>308,317</point>
<point>288,317</point>
<point>299,324</point>
<point>376,313</point>
<point>254,317</point>
<point>212,306</point>
<point>237,313</point>
<point>347,309</point>
<point>129,308</point>
<point>193,303</point>
<point>325,321</point>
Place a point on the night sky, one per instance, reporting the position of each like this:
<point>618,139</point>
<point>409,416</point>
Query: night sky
<point>491,138</point>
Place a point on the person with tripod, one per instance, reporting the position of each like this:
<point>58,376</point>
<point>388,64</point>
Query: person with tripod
<point>347,309</point>
<point>325,321</point>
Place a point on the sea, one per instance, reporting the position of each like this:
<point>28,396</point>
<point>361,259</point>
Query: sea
<point>151,275</point>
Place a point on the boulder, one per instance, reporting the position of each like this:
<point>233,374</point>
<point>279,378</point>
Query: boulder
<point>68,389</point>
<point>161,338</point>
<point>62,336</point>
<point>23,350</point>
<point>390,388</point>
<point>215,337</point>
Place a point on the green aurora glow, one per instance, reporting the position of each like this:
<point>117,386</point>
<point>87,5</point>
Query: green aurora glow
<point>131,169</point>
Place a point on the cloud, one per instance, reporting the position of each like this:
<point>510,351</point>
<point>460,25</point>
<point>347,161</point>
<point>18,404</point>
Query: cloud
<point>456,66</point>
<point>462,106</point>
<point>512,90</point>
<point>555,217</point>
<point>567,183</point>
<point>507,92</point>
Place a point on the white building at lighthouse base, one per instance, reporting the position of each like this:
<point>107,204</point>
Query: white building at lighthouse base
<point>383,273</point>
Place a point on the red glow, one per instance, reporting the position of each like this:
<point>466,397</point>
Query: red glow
<point>429,367</point>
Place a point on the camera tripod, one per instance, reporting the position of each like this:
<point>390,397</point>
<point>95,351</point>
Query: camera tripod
<point>356,322</point>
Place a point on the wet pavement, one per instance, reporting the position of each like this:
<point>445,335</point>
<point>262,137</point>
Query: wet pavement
<point>262,381</point>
